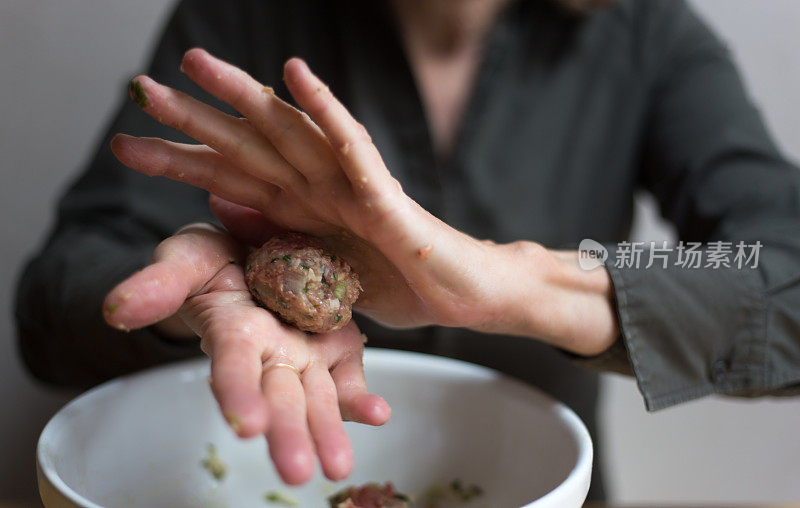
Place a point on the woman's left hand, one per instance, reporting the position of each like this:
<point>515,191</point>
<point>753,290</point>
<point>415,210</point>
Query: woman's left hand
<point>323,175</point>
<point>268,377</point>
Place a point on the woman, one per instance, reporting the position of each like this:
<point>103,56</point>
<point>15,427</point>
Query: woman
<point>525,122</point>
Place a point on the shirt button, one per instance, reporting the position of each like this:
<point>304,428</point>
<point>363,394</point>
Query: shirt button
<point>719,370</point>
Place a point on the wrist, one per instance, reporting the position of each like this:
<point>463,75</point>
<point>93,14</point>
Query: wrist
<point>550,298</point>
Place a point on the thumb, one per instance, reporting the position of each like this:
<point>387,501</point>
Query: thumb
<point>247,225</point>
<point>182,265</point>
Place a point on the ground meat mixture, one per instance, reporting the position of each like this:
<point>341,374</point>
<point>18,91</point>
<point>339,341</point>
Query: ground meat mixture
<point>294,276</point>
<point>371,495</point>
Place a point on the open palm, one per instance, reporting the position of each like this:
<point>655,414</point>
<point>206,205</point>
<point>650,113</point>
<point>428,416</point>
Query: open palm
<point>269,378</point>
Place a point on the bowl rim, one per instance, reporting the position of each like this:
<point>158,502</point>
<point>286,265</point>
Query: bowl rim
<point>578,478</point>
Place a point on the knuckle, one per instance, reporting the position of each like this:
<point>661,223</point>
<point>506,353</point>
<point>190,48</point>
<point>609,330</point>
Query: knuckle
<point>188,242</point>
<point>226,333</point>
<point>352,145</point>
<point>182,121</point>
<point>284,132</point>
<point>234,146</point>
<point>363,132</point>
<point>261,201</point>
<point>322,106</point>
<point>205,176</point>
<point>241,96</point>
<point>168,247</point>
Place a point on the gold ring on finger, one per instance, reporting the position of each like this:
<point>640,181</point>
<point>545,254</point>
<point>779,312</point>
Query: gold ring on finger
<point>284,365</point>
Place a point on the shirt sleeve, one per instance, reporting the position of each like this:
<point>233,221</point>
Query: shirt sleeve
<point>109,222</point>
<point>690,330</point>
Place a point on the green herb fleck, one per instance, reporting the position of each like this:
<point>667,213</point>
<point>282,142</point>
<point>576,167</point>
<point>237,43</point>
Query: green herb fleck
<point>137,94</point>
<point>338,317</point>
<point>335,275</point>
<point>112,308</point>
<point>273,260</point>
<point>463,493</point>
<point>402,497</point>
<point>339,290</point>
<point>304,266</point>
<point>338,497</point>
<point>280,498</point>
<point>233,420</point>
<point>213,464</point>
<point>287,258</point>
<point>333,257</point>
<point>455,491</point>
<point>305,289</point>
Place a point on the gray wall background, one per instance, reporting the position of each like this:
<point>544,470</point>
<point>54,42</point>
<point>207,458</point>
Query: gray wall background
<point>63,66</point>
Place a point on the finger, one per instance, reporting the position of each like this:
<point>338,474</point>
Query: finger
<point>247,225</point>
<point>295,136</point>
<point>355,402</point>
<point>183,264</point>
<point>236,372</point>
<point>352,145</point>
<point>290,445</point>
<point>197,165</point>
<point>232,137</point>
<point>325,423</point>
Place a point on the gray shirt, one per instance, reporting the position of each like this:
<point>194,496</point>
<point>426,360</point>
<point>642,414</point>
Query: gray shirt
<point>568,117</point>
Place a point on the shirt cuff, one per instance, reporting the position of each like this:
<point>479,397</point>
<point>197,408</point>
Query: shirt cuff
<point>613,359</point>
<point>691,332</point>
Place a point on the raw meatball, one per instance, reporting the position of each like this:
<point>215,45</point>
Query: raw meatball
<point>293,276</point>
<point>371,495</point>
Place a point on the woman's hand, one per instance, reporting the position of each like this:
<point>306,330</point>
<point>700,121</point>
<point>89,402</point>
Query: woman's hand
<point>268,378</point>
<point>323,175</point>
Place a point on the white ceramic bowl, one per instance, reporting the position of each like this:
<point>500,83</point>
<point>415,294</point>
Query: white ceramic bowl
<point>138,441</point>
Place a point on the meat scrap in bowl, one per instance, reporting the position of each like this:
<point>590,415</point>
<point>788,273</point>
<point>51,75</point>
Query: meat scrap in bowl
<point>371,495</point>
<point>293,275</point>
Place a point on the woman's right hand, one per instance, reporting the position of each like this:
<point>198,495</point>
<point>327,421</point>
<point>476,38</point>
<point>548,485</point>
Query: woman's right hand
<point>268,378</point>
<point>321,174</point>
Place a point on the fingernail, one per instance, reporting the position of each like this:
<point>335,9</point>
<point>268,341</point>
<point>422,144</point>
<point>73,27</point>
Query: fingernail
<point>136,91</point>
<point>234,421</point>
<point>122,135</point>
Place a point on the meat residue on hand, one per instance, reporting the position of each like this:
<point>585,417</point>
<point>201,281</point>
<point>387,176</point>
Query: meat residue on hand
<point>424,252</point>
